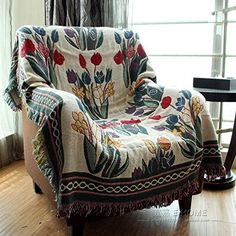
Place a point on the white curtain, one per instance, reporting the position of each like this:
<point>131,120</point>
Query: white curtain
<point>10,147</point>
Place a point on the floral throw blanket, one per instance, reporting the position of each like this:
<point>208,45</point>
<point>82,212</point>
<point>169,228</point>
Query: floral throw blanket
<point>111,139</point>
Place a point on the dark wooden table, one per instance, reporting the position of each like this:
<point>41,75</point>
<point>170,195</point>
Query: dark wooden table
<point>228,181</point>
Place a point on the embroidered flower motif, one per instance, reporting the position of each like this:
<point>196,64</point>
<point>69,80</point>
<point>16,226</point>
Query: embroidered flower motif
<point>141,51</point>
<point>151,146</point>
<point>164,143</point>
<point>71,76</point>
<point>166,101</point>
<point>137,173</point>
<point>128,34</point>
<point>180,103</point>
<point>113,142</point>
<point>43,50</point>
<point>99,77</point>
<point>69,32</point>
<point>96,59</point>
<point>82,61</point>
<point>79,92</point>
<point>28,47</point>
<point>196,105</point>
<point>176,132</point>
<point>127,122</point>
<point>110,89</point>
<point>155,117</point>
<point>173,119</point>
<point>80,124</point>
<point>40,30</point>
<point>129,52</point>
<point>58,58</point>
<point>118,58</point>
<point>158,128</point>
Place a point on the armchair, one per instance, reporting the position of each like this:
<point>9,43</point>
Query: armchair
<point>107,139</point>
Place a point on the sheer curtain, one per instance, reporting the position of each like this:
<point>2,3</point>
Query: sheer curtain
<point>110,13</point>
<point>10,147</point>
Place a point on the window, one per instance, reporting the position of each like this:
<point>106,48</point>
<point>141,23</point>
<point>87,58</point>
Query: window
<point>185,39</point>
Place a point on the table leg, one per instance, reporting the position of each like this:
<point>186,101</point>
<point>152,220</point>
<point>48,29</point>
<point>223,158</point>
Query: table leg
<point>232,149</point>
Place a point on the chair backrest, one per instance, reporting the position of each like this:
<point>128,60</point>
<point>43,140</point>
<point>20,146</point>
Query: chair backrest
<point>98,65</point>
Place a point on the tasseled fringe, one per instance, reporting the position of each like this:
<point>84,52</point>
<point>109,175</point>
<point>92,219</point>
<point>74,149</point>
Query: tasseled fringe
<point>83,208</point>
<point>213,171</point>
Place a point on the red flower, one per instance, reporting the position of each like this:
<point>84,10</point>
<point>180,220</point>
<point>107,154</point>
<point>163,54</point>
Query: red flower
<point>141,51</point>
<point>166,101</point>
<point>130,51</point>
<point>43,50</point>
<point>82,61</point>
<point>28,47</point>
<point>156,117</point>
<point>130,122</point>
<point>118,58</point>
<point>96,58</point>
<point>58,58</point>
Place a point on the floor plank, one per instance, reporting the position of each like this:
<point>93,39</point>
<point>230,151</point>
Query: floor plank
<point>24,213</point>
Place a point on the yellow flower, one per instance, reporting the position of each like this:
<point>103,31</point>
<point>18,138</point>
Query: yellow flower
<point>150,145</point>
<point>79,92</point>
<point>196,105</point>
<point>182,129</point>
<point>87,94</point>
<point>110,89</point>
<point>113,142</point>
<point>164,143</point>
<point>176,132</point>
<point>80,124</point>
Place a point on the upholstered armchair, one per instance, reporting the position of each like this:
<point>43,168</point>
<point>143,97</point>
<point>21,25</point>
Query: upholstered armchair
<point>101,136</point>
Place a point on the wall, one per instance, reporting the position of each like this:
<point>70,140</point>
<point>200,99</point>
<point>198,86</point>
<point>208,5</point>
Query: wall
<point>27,12</point>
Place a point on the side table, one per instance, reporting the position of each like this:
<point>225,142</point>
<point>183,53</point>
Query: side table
<point>228,181</point>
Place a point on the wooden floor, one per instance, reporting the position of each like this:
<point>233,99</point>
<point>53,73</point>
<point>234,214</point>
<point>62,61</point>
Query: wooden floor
<point>24,213</point>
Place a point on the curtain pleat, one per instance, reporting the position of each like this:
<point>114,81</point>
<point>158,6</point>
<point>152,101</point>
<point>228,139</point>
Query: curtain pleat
<point>93,13</point>
<point>11,145</point>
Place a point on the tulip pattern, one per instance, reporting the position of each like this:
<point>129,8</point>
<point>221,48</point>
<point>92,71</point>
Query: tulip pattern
<point>132,56</point>
<point>42,54</point>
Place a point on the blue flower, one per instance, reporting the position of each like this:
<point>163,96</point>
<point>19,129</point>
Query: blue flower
<point>99,78</point>
<point>142,89</point>
<point>86,78</point>
<point>128,34</point>
<point>180,103</point>
<point>117,38</point>
<point>187,94</point>
<point>137,97</point>
<point>168,160</point>
<point>39,30</point>
<point>54,36</point>
<point>173,119</point>
<point>153,166</point>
